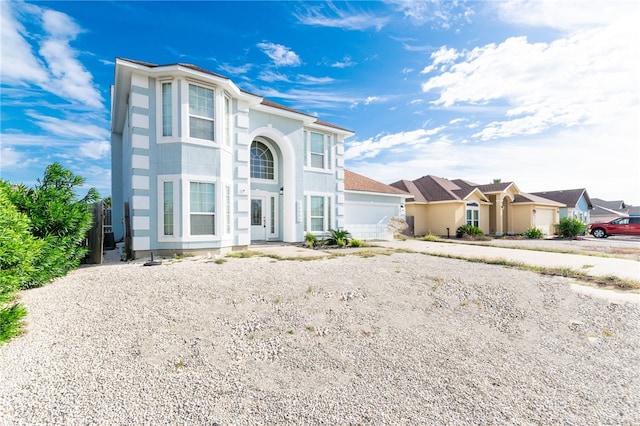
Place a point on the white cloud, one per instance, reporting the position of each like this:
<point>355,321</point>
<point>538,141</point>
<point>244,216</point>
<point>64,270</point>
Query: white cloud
<point>270,77</point>
<point>372,147</point>
<point>57,70</point>
<point>585,78</point>
<point>18,64</point>
<point>281,55</point>
<point>10,158</point>
<point>346,62</point>
<point>236,70</point>
<point>95,150</point>
<point>564,15</point>
<point>329,15</point>
<point>308,79</point>
<point>69,128</point>
<point>439,13</point>
<point>441,56</point>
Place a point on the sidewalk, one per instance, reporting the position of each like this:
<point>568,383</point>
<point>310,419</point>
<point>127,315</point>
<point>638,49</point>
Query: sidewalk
<point>591,265</point>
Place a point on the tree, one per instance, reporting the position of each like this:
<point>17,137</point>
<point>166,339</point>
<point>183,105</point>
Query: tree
<point>497,180</point>
<point>59,218</point>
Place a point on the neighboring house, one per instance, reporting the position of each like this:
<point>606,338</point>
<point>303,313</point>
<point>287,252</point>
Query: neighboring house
<point>604,211</point>
<point>577,203</point>
<point>199,164</point>
<point>370,205</point>
<point>439,206</point>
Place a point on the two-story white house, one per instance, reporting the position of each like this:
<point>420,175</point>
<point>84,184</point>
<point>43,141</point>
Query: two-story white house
<point>198,163</point>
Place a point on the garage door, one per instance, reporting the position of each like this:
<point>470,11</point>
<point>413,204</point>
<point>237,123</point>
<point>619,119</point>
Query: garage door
<point>543,220</point>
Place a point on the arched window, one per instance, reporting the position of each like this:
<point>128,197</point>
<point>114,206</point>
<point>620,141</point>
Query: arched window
<point>261,161</point>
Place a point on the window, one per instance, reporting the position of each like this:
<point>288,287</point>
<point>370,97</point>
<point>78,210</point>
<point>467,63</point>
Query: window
<point>167,204</point>
<point>167,128</point>
<point>201,116</point>
<point>317,213</point>
<point>227,120</point>
<point>202,214</point>
<point>473,214</point>
<point>227,209</point>
<point>317,150</point>
<point>262,166</point>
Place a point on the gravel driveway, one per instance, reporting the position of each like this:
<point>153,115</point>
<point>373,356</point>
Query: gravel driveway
<point>400,339</point>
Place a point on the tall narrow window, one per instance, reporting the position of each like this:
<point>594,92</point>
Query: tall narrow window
<point>227,120</point>
<point>201,116</point>
<point>317,214</point>
<point>227,209</point>
<point>202,196</point>
<point>167,128</point>
<point>272,205</point>
<point>317,151</point>
<point>262,166</point>
<point>168,208</point>
<point>473,214</point>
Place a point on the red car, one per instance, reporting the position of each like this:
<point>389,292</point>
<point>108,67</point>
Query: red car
<point>619,226</point>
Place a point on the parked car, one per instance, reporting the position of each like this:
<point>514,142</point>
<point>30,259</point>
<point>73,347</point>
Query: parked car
<point>619,226</point>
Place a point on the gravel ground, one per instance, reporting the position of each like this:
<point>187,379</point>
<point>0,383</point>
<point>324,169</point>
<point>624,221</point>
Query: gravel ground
<point>400,339</point>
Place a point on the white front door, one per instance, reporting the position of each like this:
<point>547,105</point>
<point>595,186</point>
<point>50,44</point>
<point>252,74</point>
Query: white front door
<point>264,217</point>
<point>258,218</point>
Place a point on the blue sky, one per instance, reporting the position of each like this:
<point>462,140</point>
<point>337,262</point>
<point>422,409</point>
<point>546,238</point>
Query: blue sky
<point>544,94</point>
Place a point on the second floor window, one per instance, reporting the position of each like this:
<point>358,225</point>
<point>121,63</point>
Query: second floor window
<point>167,128</point>
<point>201,112</point>
<point>262,166</point>
<point>317,150</point>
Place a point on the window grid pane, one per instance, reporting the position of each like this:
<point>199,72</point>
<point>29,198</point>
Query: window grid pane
<point>202,197</point>
<point>317,150</point>
<point>317,214</point>
<point>273,215</point>
<point>227,212</point>
<point>262,165</point>
<point>201,129</point>
<point>227,121</point>
<point>202,224</point>
<point>166,110</point>
<point>201,120</point>
<point>168,207</point>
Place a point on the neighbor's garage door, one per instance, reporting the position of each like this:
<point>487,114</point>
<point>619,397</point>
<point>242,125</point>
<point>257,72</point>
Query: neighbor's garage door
<point>544,220</point>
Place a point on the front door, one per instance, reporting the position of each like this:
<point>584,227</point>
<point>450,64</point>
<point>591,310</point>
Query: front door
<point>264,217</point>
<point>258,219</point>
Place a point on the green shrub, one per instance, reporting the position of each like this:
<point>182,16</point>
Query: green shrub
<point>570,228</point>
<point>58,218</point>
<point>469,231</point>
<point>19,251</point>
<point>339,237</point>
<point>310,240</point>
<point>355,243</point>
<point>533,233</point>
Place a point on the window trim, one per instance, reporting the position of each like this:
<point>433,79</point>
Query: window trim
<point>175,111</point>
<point>177,211</point>
<point>192,213</point>
<point>329,144</point>
<point>276,172</point>
<point>328,216</point>
<point>473,207</point>
<point>186,208</point>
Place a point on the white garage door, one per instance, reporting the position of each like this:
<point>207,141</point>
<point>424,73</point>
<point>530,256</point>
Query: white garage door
<point>544,221</point>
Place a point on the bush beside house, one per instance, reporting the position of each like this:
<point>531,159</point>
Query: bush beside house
<point>42,231</point>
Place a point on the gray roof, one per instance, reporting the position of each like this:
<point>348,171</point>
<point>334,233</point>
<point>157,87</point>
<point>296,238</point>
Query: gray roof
<point>568,197</point>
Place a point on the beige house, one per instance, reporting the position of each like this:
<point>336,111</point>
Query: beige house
<point>439,206</point>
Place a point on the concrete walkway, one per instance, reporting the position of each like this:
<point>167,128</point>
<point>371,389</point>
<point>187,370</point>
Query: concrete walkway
<point>591,265</point>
